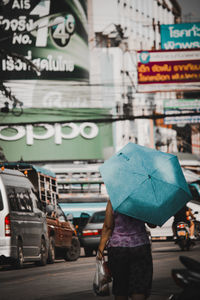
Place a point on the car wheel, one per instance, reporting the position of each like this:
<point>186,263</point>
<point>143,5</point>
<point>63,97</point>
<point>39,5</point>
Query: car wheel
<point>88,251</point>
<point>43,254</point>
<point>73,252</point>
<point>51,251</point>
<point>20,256</point>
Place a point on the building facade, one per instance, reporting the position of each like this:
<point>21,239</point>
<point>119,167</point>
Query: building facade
<point>118,29</point>
<point>86,103</point>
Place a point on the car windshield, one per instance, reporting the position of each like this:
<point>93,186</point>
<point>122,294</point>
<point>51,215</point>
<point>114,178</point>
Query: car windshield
<point>98,217</point>
<point>194,191</point>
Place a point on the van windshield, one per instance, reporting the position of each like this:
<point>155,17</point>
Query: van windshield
<point>1,201</point>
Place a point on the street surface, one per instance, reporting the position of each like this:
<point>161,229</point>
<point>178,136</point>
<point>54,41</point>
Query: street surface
<point>73,280</point>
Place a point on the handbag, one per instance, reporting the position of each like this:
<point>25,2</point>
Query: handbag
<point>102,278</point>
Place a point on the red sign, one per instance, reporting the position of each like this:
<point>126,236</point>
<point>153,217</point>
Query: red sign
<point>164,70</point>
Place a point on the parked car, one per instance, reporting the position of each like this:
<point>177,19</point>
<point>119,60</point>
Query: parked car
<point>62,239</point>
<point>23,227</point>
<point>63,242</point>
<point>89,235</point>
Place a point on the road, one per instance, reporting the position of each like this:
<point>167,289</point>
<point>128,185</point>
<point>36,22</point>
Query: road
<point>73,280</point>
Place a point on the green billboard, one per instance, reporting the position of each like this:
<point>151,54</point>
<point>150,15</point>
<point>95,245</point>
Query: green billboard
<point>70,135</point>
<point>52,34</point>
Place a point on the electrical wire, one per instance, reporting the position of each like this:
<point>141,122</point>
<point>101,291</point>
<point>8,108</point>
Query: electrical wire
<point>105,120</point>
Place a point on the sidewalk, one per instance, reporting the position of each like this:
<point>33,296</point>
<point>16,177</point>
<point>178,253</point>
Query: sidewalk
<point>89,295</point>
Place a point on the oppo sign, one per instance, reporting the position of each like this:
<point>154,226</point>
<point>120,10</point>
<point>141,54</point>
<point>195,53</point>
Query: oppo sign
<point>86,130</point>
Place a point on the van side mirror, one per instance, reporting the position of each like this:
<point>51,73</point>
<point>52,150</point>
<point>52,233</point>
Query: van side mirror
<point>49,209</point>
<point>69,217</point>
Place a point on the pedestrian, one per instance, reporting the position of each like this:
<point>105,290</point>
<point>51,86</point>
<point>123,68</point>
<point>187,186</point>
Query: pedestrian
<point>129,255</point>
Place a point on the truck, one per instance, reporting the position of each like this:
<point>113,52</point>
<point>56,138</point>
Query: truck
<point>63,241</point>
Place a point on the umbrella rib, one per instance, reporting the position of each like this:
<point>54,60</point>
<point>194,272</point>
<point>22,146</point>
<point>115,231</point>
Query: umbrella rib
<point>158,167</point>
<point>138,173</point>
<point>165,181</point>
<point>154,190</point>
<point>179,187</point>
<point>151,185</point>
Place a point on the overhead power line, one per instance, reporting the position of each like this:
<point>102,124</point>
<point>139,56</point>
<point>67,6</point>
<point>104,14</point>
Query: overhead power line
<point>106,120</point>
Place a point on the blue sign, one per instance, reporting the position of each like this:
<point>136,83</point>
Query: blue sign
<point>144,57</point>
<point>180,36</point>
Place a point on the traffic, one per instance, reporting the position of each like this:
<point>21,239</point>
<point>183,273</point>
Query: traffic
<point>34,227</point>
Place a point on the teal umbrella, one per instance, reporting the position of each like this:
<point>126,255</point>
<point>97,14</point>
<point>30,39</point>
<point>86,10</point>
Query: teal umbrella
<point>145,183</point>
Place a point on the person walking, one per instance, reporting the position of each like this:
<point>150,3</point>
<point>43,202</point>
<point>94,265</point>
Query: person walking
<point>129,255</point>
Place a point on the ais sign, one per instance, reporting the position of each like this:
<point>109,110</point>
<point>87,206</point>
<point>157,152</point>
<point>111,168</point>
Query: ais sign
<point>52,34</point>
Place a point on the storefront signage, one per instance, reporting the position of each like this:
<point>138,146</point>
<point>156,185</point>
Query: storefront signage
<point>180,36</point>
<point>182,104</point>
<point>49,131</point>
<point>169,69</point>
<point>179,106</point>
<point>51,34</point>
<point>182,120</point>
<point>67,134</point>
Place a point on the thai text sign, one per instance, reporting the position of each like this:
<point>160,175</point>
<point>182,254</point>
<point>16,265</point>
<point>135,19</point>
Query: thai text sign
<point>182,105</point>
<point>168,69</point>
<point>52,34</point>
<point>179,106</point>
<point>180,36</point>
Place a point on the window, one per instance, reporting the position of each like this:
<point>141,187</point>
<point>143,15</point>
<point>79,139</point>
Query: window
<point>35,198</point>
<point>24,199</point>
<point>12,198</point>
<point>1,201</point>
<point>19,199</point>
<point>98,217</point>
<point>88,187</point>
<point>61,215</point>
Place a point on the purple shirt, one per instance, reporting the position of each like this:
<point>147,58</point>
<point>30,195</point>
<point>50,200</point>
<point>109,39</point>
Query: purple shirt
<point>128,232</point>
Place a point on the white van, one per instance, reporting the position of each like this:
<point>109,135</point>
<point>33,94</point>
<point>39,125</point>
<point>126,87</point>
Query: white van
<point>23,228</point>
<point>165,232</point>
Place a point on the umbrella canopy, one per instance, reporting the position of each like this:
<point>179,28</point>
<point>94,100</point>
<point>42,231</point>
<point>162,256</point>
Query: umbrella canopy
<point>145,183</point>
